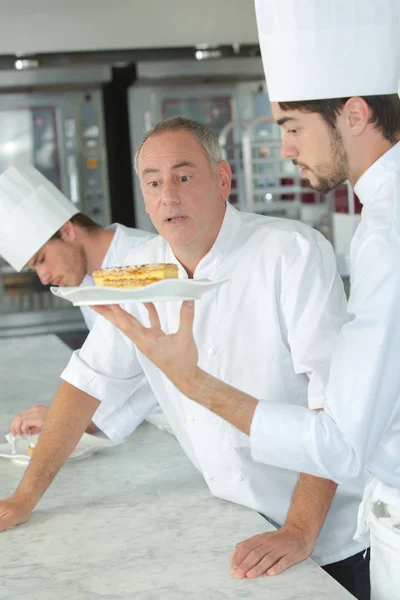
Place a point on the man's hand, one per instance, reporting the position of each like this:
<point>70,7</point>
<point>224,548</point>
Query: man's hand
<point>13,512</point>
<point>271,552</point>
<point>29,422</point>
<point>175,354</point>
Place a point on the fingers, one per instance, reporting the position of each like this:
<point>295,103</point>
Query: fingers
<point>119,317</point>
<point>284,563</point>
<point>15,426</point>
<point>260,561</point>
<point>245,556</point>
<point>270,553</point>
<point>31,426</point>
<point>153,315</point>
<point>12,515</point>
<point>30,421</point>
<point>266,563</point>
<point>101,309</point>
<point>128,324</point>
<point>112,312</point>
<point>187,318</point>
<point>244,548</point>
<point>255,563</point>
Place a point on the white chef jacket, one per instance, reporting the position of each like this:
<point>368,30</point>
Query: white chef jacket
<point>269,331</point>
<point>361,422</point>
<point>118,423</point>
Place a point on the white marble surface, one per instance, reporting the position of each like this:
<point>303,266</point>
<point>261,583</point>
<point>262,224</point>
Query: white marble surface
<point>135,522</point>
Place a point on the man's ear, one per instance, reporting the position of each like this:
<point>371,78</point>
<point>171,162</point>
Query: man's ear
<point>357,115</point>
<point>67,232</point>
<point>224,174</point>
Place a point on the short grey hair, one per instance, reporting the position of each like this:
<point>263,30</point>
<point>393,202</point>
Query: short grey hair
<point>207,138</point>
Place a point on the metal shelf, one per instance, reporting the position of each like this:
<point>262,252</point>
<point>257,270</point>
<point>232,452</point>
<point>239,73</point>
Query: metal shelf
<point>288,205</point>
<point>281,190</point>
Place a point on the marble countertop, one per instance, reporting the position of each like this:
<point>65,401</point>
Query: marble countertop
<point>136,521</point>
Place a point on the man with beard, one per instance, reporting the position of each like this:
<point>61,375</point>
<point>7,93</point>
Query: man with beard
<point>333,71</point>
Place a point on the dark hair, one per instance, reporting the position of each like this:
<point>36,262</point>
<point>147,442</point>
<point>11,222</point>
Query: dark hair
<point>81,220</point>
<point>385,111</point>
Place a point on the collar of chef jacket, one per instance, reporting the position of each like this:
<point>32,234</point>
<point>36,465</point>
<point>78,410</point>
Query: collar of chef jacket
<point>220,249</point>
<point>377,174</point>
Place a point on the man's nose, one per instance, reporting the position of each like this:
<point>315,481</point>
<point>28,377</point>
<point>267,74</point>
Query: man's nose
<point>44,275</point>
<point>170,195</point>
<point>288,150</point>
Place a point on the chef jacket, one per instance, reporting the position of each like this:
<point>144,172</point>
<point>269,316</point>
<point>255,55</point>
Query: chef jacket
<point>361,422</point>
<point>269,331</point>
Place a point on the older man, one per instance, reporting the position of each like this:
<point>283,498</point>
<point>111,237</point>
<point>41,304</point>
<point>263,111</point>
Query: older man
<point>270,330</point>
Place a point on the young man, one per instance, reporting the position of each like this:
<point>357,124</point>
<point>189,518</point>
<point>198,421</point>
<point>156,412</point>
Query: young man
<point>43,231</point>
<point>333,71</point>
<point>284,286</point>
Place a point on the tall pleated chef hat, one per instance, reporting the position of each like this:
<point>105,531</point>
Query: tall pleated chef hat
<point>32,209</point>
<point>319,49</point>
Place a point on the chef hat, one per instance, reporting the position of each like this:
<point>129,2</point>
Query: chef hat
<point>31,210</point>
<point>319,49</point>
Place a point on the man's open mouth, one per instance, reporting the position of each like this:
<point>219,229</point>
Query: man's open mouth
<point>176,219</point>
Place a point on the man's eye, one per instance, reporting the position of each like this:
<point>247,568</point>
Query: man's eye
<point>184,178</point>
<point>153,184</point>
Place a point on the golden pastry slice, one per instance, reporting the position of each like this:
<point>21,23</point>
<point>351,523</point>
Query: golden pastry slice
<point>32,446</point>
<point>134,277</point>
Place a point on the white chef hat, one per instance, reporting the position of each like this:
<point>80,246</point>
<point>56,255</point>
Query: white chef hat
<point>319,49</point>
<point>31,210</point>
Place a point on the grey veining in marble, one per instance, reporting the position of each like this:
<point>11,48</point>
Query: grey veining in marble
<point>135,522</point>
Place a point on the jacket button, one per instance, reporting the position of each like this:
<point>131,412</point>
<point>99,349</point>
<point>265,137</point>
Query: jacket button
<point>212,351</point>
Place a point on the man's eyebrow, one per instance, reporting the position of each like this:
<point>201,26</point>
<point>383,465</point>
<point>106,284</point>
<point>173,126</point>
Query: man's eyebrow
<point>146,171</point>
<point>185,163</point>
<point>284,120</point>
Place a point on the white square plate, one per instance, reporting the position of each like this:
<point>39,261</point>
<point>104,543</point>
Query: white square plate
<point>162,291</point>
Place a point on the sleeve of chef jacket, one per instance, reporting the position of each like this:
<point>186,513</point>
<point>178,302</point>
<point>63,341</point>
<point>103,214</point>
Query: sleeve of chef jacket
<point>107,368</point>
<point>313,308</point>
<point>364,383</point>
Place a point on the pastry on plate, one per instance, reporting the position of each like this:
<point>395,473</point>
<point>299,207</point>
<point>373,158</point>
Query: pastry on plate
<point>32,446</point>
<point>134,277</point>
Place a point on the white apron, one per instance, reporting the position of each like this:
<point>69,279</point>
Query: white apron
<point>379,525</point>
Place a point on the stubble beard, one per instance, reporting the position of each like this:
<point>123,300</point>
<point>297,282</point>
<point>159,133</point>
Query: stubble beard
<point>333,172</point>
<point>78,268</point>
